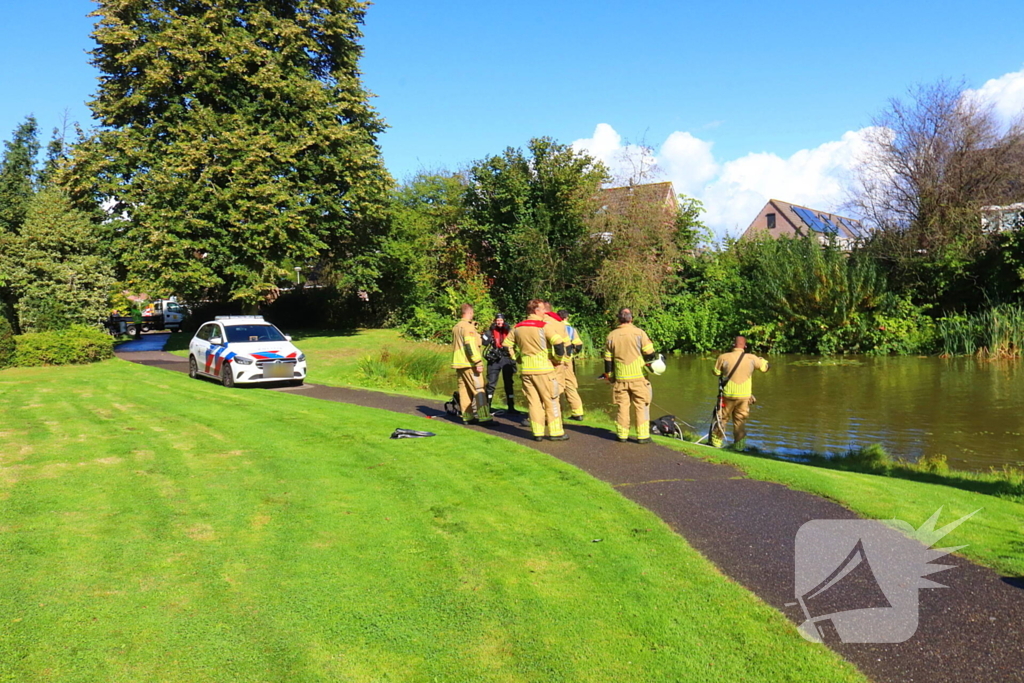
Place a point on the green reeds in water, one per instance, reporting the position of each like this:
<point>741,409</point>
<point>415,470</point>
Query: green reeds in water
<point>997,332</point>
<point>422,368</point>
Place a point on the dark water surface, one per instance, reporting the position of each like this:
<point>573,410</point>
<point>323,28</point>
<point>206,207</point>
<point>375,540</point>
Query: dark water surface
<point>971,411</point>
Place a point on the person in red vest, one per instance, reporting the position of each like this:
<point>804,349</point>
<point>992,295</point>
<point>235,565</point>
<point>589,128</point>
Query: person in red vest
<point>499,362</point>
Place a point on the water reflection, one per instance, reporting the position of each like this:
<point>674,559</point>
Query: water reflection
<point>970,411</point>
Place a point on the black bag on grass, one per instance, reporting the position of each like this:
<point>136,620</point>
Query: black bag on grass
<point>667,425</point>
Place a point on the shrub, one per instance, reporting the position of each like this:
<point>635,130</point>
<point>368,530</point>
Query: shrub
<point>75,345</point>
<point>6,343</point>
<point>422,368</point>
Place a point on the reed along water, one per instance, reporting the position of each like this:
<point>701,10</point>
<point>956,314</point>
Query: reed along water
<point>969,410</point>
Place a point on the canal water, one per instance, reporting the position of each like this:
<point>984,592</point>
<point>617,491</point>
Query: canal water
<point>968,410</point>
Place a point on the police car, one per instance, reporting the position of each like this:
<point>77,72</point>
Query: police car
<point>244,349</point>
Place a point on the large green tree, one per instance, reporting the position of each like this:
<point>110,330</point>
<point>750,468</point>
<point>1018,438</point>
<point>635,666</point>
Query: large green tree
<point>60,272</point>
<point>18,178</point>
<point>535,208</point>
<point>235,137</point>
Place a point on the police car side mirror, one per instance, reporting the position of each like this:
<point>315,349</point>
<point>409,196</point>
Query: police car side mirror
<point>216,341</point>
<point>287,337</point>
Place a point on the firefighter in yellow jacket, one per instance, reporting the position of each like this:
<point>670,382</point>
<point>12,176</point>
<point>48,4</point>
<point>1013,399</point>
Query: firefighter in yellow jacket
<point>566,371</point>
<point>735,372</point>
<point>468,363</point>
<point>626,351</point>
<point>537,345</point>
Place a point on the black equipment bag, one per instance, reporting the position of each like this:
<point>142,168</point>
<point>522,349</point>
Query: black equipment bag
<point>452,407</point>
<point>667,425</point>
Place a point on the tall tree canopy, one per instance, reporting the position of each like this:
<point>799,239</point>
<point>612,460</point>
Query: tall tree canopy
<point>235,136</point>
<point>18,175</point>
<point>534,208</point>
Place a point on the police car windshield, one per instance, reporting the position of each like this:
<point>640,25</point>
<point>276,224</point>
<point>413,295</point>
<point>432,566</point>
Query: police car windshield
<point>253,333</point>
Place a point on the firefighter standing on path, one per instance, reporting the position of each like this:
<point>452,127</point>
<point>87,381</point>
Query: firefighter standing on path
<point>565,371</point>
<point>537,345</point>
<point>499,362</point>
<point>736,370</point>
<point>467,361</point>
<point>625,353</point>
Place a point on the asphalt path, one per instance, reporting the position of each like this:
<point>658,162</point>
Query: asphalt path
<point>970,632</point>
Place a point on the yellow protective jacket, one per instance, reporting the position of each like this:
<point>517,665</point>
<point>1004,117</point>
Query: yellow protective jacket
<point>741,384</point>
<point>625,349</point>
<point>536,344</point>
<point>466,345</point>
<point>573,343</point>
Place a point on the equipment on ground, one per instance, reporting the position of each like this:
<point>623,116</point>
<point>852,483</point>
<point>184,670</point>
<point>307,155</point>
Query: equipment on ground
<point>452,407</point>
<point>410,434</point>
<point>667,425</point>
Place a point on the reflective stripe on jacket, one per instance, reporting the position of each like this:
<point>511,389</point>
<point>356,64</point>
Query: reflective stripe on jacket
<point>626,346</point>
<point>532,344</point>
<point>465,345</point>
<point>741,384</point>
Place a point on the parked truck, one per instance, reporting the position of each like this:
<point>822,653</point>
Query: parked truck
<point>162,314</point>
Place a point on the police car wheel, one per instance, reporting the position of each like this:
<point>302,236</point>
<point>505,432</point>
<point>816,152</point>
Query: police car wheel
<point>193,368</point>
<point>227,378</point>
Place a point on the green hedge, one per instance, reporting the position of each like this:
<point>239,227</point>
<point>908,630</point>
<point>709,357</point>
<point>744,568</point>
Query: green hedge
<point>7,345</point>
<point>75,345</point>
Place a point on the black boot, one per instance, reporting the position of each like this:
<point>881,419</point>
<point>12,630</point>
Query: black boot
<point>511,401</point>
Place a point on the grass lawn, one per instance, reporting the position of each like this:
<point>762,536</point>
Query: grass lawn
<point>156,528</point>
<point>995,536</point>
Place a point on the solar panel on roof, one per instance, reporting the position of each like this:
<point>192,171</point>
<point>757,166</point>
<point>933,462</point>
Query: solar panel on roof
<point>853,227</point>
<point>828,224</point>
<point>810,219</point>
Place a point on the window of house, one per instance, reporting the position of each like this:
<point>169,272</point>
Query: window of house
<point>771,220</point>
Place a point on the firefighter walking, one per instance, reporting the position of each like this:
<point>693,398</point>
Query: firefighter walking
<point>735,372</point>
<point>626,351</point>
<point>467,361</point>
<point>537,345</point>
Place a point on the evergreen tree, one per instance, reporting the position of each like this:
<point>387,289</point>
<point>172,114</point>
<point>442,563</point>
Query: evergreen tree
<point>59,273</point>
<point>235,137</point>
<point>18,175</point>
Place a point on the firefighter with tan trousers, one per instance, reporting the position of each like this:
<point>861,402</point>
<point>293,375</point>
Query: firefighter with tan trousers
<point>537,345</point>
<point>735,372</point>
<point>565,371</point>
<point>468,363</point>
<point>626,351</point>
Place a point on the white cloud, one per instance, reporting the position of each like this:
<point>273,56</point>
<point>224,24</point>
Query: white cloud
<point>1005,94</point>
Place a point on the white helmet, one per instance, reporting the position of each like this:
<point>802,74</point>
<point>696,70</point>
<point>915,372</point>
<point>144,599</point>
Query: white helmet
<point>658,365</point>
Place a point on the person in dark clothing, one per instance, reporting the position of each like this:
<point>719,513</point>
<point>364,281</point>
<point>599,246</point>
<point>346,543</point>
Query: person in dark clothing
<point>499,362</point>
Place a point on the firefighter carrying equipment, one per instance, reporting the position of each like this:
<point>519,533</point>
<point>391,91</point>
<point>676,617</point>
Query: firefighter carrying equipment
<point>657,365</point>
<point>740,366</point>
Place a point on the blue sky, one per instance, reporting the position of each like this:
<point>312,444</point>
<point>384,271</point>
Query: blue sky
<point>741,100</point>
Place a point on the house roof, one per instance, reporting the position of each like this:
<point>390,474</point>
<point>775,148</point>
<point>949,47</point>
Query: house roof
<point>806,220</point>
<point>618,199</point>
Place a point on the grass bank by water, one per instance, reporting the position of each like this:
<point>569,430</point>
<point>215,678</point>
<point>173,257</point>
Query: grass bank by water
<point>160,528</point>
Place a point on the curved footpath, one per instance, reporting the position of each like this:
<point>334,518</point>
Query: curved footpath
<point>970,632</point>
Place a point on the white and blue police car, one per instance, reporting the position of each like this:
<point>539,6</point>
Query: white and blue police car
<point>245,349</point>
